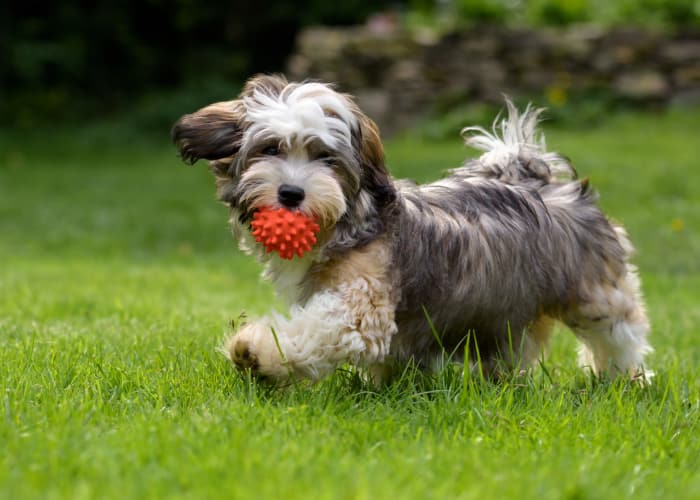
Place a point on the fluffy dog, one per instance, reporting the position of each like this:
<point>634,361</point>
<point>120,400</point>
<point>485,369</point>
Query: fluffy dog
<point>486,258</point>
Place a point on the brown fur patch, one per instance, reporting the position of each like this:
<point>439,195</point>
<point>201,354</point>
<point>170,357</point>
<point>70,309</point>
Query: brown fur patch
<point>371,262</point>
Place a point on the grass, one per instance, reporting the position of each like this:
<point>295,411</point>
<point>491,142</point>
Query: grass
<point>118,280</point>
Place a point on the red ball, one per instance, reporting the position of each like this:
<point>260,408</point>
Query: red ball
<point>283,231</point>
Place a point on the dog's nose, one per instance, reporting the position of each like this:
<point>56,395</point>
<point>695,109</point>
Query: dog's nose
<point>290,196</point>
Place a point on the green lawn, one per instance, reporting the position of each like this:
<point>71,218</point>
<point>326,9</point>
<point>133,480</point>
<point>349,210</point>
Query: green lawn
<point>118,280</point>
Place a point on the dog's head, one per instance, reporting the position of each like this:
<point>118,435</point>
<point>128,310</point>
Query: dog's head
<point>302,146</point>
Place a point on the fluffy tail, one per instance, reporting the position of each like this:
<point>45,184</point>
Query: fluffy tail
<point>515,150</point>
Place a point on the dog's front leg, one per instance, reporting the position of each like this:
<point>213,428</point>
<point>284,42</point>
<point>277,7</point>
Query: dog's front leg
<point>353,322</point>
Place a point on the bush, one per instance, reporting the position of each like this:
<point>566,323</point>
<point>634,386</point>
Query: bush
<point>68,58</point>
<point>479,11</point>
<point>668,14</point>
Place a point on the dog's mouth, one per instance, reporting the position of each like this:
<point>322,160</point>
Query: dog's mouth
<point>246,216</point>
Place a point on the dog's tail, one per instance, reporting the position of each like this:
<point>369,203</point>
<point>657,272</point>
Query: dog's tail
<point>515,150</point>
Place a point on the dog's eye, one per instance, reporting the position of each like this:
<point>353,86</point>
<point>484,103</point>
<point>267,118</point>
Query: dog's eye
<point>325,158</point>
<point>271,151</point>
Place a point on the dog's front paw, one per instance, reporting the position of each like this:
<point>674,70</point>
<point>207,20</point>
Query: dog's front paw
<point>254,348</point>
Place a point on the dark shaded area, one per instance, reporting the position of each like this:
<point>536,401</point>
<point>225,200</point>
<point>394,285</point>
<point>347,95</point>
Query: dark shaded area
<point>76,59</point>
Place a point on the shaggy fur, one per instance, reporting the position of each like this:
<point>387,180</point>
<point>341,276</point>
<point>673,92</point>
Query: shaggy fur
<point>494,252</point>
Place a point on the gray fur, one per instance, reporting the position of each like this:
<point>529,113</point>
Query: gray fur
<point>477,254</point>
<point>495,246</point>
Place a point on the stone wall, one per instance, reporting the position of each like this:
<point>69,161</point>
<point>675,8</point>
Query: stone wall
<point>399,77</point>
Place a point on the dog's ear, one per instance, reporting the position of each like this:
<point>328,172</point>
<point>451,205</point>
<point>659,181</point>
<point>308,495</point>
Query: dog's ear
<point>375,177</point>
<point>215,131</point>
<point>212,133</point>
<point>367,212</point>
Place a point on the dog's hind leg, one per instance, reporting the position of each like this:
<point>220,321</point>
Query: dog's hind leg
<point>518,350</point>
<point>612,326</point>
<point>536,343</point>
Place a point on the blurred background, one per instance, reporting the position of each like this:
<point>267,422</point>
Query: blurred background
<point>407,61</point>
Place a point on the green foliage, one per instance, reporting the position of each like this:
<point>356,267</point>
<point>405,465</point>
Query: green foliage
<point>559,12</point>
<point>667,14</point>
<point>67,59</point>
<point>680,13</point>
<point>483,11</point>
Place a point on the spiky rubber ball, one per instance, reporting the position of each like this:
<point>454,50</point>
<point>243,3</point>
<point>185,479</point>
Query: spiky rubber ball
<point>283,231</point>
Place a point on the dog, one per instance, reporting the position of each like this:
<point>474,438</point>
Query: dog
<point>486,259</point>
